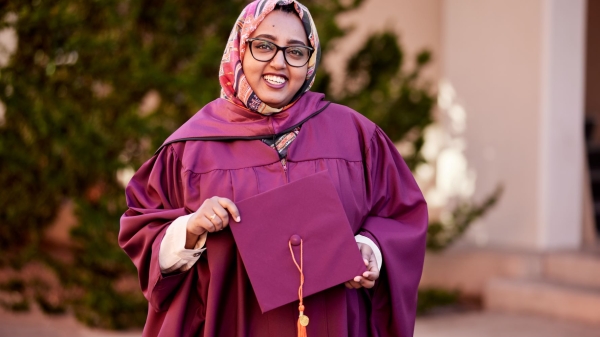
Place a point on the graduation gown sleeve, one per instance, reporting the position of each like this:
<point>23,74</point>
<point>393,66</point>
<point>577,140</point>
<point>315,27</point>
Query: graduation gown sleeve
<point>155,199</point>
<point>397,223</point>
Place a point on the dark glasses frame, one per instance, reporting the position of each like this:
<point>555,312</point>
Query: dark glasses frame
<point>278,48</point>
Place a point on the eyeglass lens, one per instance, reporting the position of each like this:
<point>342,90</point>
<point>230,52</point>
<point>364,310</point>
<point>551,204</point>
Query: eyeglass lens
<point>264,51</point>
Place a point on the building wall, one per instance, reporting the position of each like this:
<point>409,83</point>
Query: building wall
<point>492,53</point>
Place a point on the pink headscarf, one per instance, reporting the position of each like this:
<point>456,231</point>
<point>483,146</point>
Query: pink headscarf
<point>234,86</point>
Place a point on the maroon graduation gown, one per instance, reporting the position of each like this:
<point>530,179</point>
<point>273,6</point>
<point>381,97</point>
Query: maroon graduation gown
<point>218,152</point>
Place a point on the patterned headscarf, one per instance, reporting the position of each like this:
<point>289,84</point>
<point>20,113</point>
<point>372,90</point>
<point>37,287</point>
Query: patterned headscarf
<point>234,86</point>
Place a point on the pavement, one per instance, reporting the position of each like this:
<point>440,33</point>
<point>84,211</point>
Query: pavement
<point>469,324</point>
<point>497,324</point>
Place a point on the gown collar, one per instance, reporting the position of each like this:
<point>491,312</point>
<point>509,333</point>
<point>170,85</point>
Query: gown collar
<point>223,120</point>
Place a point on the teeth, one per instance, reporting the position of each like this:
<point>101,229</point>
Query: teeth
<point>274,79</point>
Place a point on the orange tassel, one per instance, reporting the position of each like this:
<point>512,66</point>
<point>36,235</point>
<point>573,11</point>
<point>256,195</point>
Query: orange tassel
<point>301,329</point>
<point>302,319</point>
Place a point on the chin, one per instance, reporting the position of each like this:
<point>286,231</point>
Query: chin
<point>276,103</point>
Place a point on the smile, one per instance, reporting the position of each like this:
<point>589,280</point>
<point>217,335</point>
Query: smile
<point>275,79</point>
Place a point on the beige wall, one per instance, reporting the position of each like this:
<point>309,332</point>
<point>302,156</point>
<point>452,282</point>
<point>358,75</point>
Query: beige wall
<point>492,54</point>
<point>417,23</point>
<point>517,66</point>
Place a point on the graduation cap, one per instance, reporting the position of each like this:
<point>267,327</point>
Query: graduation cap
<point>295,241</point>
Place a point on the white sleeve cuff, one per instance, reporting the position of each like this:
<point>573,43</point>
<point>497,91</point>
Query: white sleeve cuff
<point>173,255</point>
<point>376,251</point>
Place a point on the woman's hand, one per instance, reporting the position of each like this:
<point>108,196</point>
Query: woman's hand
<point>368,278</point>
<point>212,216</point>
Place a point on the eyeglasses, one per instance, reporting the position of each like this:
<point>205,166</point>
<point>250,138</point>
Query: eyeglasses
<point>265,51</point>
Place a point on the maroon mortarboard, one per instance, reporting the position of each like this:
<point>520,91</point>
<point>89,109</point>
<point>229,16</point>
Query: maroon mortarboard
<point>305,216</point>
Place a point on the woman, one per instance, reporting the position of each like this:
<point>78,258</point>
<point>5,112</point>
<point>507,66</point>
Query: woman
<point>265,131</point>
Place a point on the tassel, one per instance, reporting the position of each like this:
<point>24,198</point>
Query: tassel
<point>302,321</point>
<point>302,318</point>
<point>301,329</point>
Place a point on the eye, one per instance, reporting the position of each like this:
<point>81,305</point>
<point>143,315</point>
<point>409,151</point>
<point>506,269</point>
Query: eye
<point>263,45</point>
<point>296,51</point>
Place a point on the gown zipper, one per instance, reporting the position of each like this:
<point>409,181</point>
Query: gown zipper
<point>285,171</point>
<point>283,162</point>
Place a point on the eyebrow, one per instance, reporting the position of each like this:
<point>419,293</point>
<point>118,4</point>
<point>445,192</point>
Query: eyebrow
<point>271,37</point>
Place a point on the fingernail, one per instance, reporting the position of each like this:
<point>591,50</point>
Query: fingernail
<point>366,274</point>
<point>357,279</point>
<point>238,219</point>
<point>366,262</point>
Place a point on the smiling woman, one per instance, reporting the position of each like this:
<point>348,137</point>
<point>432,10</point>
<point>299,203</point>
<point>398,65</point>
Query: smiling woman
<point>271,204</point>
<point>276,81</point>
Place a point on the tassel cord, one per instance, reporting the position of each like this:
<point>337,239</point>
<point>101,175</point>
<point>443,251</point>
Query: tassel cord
<point>302,319</point>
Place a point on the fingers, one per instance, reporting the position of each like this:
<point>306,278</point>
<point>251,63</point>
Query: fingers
<point>231,207</point>
<point>353,284</point>
<point>365,251</point>
<point>205,222</point>
<point>222,207</point>
<point>212,216</point>
<point>372,272</point>
<point>368,278</point>
<point>219,218</point>
<point>198,224</point>
<point>365,282</point>
<point>356,283</point>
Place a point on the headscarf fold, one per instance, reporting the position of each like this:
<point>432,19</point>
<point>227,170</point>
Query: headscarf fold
<point>234,85</point>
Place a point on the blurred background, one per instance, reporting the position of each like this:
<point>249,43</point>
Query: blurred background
<point>494,104</point>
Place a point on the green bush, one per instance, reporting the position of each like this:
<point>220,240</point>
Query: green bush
<point>380,87</point>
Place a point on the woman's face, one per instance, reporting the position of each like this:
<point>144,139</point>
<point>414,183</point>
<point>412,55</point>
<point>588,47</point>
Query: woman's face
<point>275,82</point>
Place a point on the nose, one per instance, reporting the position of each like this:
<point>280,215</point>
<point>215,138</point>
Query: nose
<point>278,60</point>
